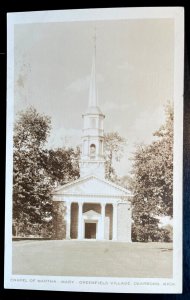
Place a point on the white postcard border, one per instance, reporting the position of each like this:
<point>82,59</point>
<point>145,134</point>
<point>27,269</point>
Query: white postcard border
<point>100,284</point>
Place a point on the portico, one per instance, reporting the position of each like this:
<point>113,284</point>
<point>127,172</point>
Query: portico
<point>103,215</point>
<point>101,204</point>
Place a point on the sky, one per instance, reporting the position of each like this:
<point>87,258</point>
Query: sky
<point>134,70</point>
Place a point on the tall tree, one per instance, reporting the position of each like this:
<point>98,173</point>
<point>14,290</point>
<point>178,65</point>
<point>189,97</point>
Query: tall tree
<point>153,180</point>
<point>36,171</point>
<point>63,165</point>
<point>113,148</point>
<point>31,186</point>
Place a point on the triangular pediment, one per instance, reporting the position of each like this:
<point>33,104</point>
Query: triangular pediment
<point>92,185</point>
<point>90,214</point>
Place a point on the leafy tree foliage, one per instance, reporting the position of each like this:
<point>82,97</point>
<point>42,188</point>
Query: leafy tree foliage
<point>125,181</point>
<point>113,149</point>
<point>36,171</point>
<point>31,188</point>
<point>153,181</point>
<point>63,165</point>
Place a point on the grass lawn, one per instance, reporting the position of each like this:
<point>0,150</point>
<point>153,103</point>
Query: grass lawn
<point>92,258</point>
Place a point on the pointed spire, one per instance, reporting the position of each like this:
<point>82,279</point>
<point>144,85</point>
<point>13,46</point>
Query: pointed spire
<point>93,99</point>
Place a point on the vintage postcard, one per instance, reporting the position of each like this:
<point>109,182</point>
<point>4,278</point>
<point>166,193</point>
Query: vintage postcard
<point>94,150</point>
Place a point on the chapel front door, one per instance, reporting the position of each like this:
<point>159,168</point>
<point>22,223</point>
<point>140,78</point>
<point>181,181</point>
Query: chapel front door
<point>90,230</point>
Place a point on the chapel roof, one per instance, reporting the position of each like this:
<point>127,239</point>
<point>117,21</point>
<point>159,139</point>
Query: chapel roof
<point>92,185</point>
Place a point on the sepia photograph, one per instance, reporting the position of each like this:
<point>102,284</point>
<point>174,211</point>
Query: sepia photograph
<point>94,150</point>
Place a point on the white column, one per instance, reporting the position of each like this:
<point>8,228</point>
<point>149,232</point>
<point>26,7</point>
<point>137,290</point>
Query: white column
<point>80,221</point>
<point>16,230</point>
<point>68,220</point>
<point>114,228</point>
<point>102,221</point>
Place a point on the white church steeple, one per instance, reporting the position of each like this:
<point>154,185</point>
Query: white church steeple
<point>93,100</point>
<point>92,158</point>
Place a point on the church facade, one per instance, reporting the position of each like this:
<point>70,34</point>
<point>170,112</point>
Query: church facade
<point>92,208</point>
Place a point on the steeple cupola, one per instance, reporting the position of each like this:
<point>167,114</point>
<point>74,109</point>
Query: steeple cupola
<point>92,157</point>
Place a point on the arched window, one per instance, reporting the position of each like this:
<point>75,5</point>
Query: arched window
<point>92,150</point>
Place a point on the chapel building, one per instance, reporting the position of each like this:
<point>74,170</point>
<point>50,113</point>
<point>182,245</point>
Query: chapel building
<point>91,207</point>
